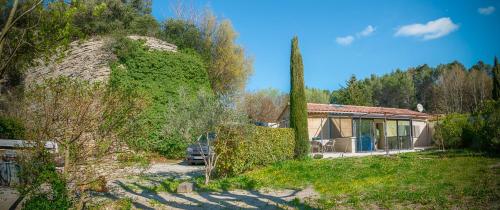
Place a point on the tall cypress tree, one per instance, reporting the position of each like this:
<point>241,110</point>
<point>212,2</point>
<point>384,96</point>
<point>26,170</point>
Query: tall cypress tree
<point>298,105</point>
<point>496,80</point>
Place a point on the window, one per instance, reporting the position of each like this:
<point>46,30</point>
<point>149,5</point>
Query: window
<point>392,128</point>
<point>403,128</point>
<point>416,131</point>
<point>341,127</point>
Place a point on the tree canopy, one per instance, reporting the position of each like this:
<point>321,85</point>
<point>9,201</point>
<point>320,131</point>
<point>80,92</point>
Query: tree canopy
<point>446,88</point>
<point>227,65</point>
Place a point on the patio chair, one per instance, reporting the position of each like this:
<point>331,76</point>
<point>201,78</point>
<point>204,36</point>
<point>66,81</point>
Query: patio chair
<point>315,147</point>
<point>330,146</point>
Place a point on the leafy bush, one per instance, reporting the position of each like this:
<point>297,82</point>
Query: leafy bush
<point>483,131</point>
<point>261,146</point>
<point>158,76</point>
<point>55,198</point>
<point>479,130</point>
<point>105,16</point>
<point>43,187</point>
<point>448,131</point>
<point>11,128</point>
<point>492,127</point>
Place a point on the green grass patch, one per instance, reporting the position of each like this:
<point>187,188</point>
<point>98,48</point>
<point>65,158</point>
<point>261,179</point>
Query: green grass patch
<point>426,179</point>
<point>167,185</point>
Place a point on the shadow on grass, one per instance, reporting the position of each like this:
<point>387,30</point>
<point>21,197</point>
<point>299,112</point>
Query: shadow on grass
<point>208,199</point>
<point>225,184</point>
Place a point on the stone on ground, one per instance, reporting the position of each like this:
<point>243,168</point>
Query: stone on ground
<point>185,187</point>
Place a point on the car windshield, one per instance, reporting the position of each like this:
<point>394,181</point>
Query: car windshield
<point>203,138</point>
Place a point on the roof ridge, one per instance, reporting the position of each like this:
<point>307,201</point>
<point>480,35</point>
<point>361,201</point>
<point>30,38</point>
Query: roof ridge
<point>312,107</point>
<point>382,107</point>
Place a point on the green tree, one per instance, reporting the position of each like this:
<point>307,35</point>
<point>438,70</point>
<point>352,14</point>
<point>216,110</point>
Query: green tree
<point>228,68</point>
<point>32,30</point>
<point>227,65</point>
<point>315,95</point>
<point>107,16</point>
<point>182,33</point>
<point>355,93</point>
<point>37,29</point>
<point>193,120</point>
<point>264,105</point>
<point>298,105</point>
<point>339,96</point>
<point>358,93</point>
<point>496,80</point>
<point>423,80</point>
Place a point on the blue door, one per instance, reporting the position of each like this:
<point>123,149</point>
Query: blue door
<point>365,140</point>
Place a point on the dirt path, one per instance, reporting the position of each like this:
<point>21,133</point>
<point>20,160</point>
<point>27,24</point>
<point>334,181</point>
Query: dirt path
<point>7,197</point>
<point>138,188</point>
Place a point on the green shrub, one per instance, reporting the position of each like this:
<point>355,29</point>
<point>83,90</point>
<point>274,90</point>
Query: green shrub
<point>479,131</point>
<point>157,76</point>
<point>259,147</point>
<point>55,198</point>
<point>43,187</point>
<point>483,131</point>
<point>11,128</point>
<point>491,128</point>
<point>448,131</point>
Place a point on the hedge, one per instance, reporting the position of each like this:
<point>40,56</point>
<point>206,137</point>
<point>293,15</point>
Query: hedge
<point>258,146</point>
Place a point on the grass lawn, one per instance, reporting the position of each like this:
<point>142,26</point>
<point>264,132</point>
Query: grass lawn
<point>410,180</point>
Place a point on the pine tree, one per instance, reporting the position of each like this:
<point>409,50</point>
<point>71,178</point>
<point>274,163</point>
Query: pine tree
<point>298,105</point>
<point>496,80</point>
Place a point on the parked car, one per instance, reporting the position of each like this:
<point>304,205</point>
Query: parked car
<point>195,152</point>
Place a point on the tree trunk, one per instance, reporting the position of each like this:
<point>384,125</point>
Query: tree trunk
<point>207,177</point>
<point>6,27</point>
<point>66,160</point>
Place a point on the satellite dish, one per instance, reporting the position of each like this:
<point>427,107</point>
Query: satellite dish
<point>420,108</point>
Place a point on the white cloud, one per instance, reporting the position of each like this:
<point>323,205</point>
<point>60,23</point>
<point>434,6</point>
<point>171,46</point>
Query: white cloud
<point>346,40</point>
<point>431,30</point>
<point>367,31</point>
<point>486,10</point>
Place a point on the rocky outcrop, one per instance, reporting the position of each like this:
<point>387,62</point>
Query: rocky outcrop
<point>154,43</point>
<point>87,60</point>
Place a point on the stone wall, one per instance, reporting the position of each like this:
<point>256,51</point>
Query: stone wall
<point>87,60</point>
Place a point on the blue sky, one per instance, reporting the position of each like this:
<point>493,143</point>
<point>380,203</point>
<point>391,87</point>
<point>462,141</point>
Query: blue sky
<point>341,38</point>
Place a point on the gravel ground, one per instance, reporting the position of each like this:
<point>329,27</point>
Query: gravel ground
<point>137,188</point>
<point>7,197</point>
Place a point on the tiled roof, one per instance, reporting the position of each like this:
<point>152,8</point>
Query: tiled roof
<point>336,108</point>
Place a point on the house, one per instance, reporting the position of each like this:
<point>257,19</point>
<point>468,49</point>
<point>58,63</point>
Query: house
<point>353,129</point>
